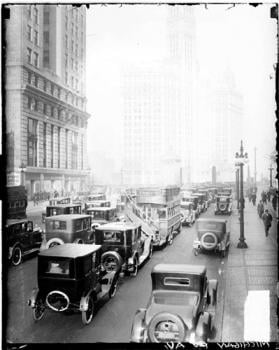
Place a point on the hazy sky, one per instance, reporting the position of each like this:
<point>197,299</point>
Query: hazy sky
<point>241,38</point>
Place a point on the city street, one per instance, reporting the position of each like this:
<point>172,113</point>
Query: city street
<point>113,320</point>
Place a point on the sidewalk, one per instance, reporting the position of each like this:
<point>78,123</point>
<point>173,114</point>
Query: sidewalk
<point>249,270</point>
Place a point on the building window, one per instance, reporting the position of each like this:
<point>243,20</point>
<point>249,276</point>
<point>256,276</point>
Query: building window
<point>45,85</point>
<point>29,10</point>
<point>66,41</point>
<point>45,109</point>
<point>66,148</point>
<point>66,78</point>
<point>46,17</point>
<point>36,59</point>
<point>36,80</point>
<point>66,22</point>
<point>51,146</point>
<point>81,150</point>
<point>58,137</point>
<point>29,53</point>
<point>74,150</point>
<point>72,63</point>
<point>29,77</point>
<point>52,112</point>
<point>66,61</point>
<point>72,47</point>
<point>29,33</point>
<point>44,145</point>
<point>36,17</point>
<point>52,88</point>
<point>32,142</point>
<point>36,37</point>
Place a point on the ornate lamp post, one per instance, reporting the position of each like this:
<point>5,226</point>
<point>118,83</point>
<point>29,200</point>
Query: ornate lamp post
<point>22,168</point>
<point>237,187</point>
<point>240,160</point>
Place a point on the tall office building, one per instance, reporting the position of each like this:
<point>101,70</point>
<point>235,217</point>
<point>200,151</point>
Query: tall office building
<point>45,110</point>
<point>159,108</point>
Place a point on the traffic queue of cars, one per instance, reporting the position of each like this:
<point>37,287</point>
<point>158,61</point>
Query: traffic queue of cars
<point>82,255</point>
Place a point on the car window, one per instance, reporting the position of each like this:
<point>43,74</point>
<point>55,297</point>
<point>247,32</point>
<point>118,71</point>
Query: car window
<point>78,225</point>
<point>113,236</point>
<point>173,298</point>
<point>61,267</point>
<point>176,281</point>
<point>58,225</point>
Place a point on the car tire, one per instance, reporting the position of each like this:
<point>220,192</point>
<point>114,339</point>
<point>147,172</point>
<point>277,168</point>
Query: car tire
<point>39,310</point>
<point>16,258</point>
<point>206,245</point>
<point>136,267</point>
<point>87,316</point>
<point>111,261</point>
<point>166,317</point>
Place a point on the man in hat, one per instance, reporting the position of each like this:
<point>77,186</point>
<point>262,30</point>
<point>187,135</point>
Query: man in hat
<point>267,220</point>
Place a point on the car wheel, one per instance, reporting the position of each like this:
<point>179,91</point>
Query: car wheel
<point>170,239</point>
<point>166,327</point>
<point>39,310</point>
<point>16,256</point>
<point>113,289</point>
<point>86,316</point>
<point>136,267</point>
<point>111,261</point>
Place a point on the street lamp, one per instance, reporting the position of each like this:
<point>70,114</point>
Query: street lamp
<point>237,187</point>
<point>240,160</point>
<point>22,168</point>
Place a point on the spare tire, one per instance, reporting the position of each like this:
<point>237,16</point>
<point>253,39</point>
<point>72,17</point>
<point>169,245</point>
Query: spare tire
<point>167,327</point>
<point>209,241</point>
<point>222,206</point>
<point>111,261</point>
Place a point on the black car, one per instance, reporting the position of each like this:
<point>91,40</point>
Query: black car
<point>22,239</point>
<point>70,277</point>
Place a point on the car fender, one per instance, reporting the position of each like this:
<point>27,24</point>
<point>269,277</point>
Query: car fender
<point>203,326</point>
<point>33,298</point>
<point>52,240</point>
<point>212,291</point>
<point>138,327</point>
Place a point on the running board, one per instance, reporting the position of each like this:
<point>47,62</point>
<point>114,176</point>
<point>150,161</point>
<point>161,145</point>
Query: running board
<point>30,251</point>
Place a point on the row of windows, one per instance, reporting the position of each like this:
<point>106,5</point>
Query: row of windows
<point>54,90</point>
<point>33,13</point>
<point>32,146</point>
<point>54,112</point>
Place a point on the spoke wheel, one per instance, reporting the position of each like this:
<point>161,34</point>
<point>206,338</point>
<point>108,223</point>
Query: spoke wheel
<point>53,244</point>
<point>87,316</point>
<point>38,310</point>
<point>16,256</point>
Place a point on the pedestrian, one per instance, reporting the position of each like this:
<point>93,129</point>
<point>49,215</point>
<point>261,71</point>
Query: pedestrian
<point>260,208</point>
<point>267,220</point>
<point>254,197</point>
<point>264,197</point>
<point>268,195</point>
<point>274,202</point>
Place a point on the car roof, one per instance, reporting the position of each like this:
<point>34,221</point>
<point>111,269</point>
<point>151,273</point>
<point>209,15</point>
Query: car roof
<point>212,220</point>
<point>70,250</point>
<point>100,208</point>
<point>179,268</point>
<point>63,205</point>
<point>118,226</point>
<point>67,217</point>
<point>10,222</point>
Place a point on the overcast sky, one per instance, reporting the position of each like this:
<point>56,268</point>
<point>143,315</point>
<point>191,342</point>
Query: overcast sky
<point>241,38</point>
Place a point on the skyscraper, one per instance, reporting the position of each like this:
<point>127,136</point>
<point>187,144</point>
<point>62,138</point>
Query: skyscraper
<point>45,108</point>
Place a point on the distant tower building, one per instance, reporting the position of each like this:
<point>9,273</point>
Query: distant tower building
<point>45,108</point>
<point>159,108</point>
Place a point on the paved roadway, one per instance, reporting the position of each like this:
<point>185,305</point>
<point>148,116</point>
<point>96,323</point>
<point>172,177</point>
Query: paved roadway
<point>113,319</point>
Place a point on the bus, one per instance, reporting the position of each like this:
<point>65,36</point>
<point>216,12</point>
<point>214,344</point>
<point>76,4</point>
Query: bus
<point>161,209</point>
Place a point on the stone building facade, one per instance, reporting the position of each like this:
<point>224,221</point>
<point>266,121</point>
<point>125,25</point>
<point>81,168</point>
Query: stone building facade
<point>45,102</point>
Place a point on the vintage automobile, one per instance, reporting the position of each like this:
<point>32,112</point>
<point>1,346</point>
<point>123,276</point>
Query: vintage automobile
<point>101,215</point>
<point>70,278</point>
<point>71,228</point>
<point>181,306</point>
<point>124,245</point>
<point>223,205</point>
<point>201,202</point>
<point>187,213</point>
<point>59,209</point>
<point>22,239</point>
<point>212,235</point>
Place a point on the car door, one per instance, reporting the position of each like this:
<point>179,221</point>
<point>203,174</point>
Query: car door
<point>24,237</point>
<point>35,235</point>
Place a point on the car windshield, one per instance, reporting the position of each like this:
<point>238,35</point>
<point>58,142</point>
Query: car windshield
<point>223,199</point>
<point>175,298</point>
<point>113,237</point>
<point>98,214</point>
